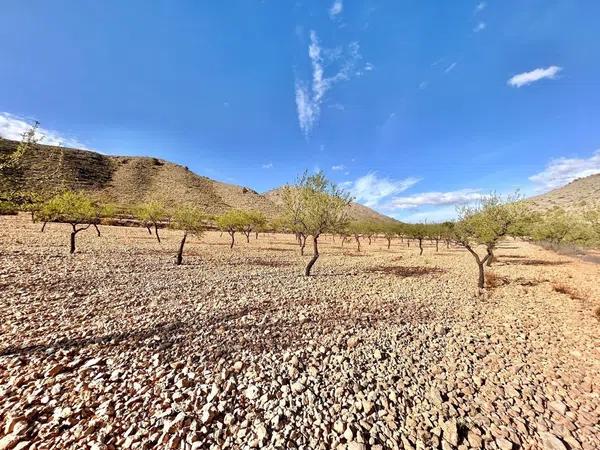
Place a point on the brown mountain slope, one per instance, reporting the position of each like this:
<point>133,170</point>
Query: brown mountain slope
<point>578,194</point>
<point>357,211</point>
<point>127,181</point>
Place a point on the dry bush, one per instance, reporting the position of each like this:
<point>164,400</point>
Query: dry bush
<point>562,288</point>
<point>534,262</point>
<point>403,271</point>
<point>597,312</point>
<point>493,280</point>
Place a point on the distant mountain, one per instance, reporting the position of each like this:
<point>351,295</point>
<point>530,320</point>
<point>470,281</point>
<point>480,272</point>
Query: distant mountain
<point>127,181</point>
<point>578,194</point>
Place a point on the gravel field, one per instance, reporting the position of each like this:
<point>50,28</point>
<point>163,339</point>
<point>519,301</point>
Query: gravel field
<point>116,347</point>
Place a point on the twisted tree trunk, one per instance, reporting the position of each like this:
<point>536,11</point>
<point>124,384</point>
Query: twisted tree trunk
<point>313,260</point>
<point>180,252</point>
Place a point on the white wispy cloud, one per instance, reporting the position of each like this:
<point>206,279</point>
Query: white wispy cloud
<point>338,167</point>
<point>479,27</point>
<point>310,95</point>
<point>459,197</point>
<point>371,190</point>
<point>525,78</point>
<point>562,171</point>
<point>450,67</point>
<point>12,127</point>
<point>480,7</point>
<point>423,85</point>
<point>268,165</point>
<point>336,8</point>
<point>432,216</point>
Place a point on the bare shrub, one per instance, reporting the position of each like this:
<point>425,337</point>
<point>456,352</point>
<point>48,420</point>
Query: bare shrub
<point>493,280</point>
<point>565,289</point>
<point>597,312</point>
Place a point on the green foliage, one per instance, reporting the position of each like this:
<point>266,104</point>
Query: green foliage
<point>8,208</point>
<point>190,219</point>
<point>70,207</point>
<point>151,212</point>
<point>233,220</point>
<point>315,206</point>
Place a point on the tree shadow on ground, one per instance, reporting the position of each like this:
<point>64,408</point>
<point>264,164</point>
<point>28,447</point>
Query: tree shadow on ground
<point>406,271</point>
<point>162,330</point>
<point>534,262</point>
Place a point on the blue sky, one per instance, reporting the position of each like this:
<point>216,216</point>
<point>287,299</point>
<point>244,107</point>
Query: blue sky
<point>414,106</point>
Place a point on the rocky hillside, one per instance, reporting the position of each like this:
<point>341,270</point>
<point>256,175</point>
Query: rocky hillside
<point>578,194</point>
<point>127,181</point>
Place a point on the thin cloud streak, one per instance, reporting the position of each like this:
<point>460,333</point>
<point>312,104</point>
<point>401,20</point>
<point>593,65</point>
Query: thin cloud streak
<point>525,78</point>
<point>310,96</point>
<point>459,197</point>
<point>370,190</point>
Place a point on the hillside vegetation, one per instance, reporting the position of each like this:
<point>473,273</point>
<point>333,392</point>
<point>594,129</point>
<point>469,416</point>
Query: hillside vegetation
<point>578,194</point>
<point>128,181</point>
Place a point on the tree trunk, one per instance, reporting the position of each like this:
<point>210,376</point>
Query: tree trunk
<point>447,244</point>
<point>232,234</point>
<point>357,242</point>
<point>389,242</point>
<point>302,242</point>
<point>480,265</point>
<point>156,232</point>
<point>247,233</point>
<point>343,240</point>
<point>490,253</point>
<point>313,260</point>
<point>73,233</point>
<point>420,247</point>
<point>149,230</point>
<point>408,243</point>
<point>256,235</point>
<point>180,252</point>
<point>97,229</point>
<point>369,238</point>
<point>44,226</point>
<point>437,242</point>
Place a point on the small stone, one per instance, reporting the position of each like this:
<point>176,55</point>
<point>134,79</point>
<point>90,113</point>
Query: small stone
<point>356,446</point>
<point>252,392</point>
<point>352,342</point>
<point>450,431</point>
<point>297,387</point>
<point>551,442</point>
<point>504,444</point>
<point>55,370</point>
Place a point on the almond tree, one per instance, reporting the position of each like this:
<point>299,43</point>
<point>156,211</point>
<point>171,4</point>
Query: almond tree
<point>390,231</point>
<point>418,231</point>
<point>190,220</point>
<point>232,221</point>
<point>356,229</point>
<point>315,206</point>
<point>151,214</point>
<point>74,208</point>
<point>484,225</point>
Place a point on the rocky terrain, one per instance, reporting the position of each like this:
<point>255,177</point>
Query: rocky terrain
<point>117,348</point>
<point>575,196</point>
<point>127,181</point>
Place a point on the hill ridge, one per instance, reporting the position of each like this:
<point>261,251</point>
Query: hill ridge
<point>130,180</point>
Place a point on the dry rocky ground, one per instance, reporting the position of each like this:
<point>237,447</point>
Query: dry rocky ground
<point>118,348</point>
